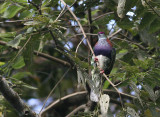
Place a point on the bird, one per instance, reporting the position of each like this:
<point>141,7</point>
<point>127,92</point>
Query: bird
<point>105,57</point>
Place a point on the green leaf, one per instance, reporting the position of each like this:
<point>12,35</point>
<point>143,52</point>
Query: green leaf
<point>19,63</point>
<point>69,2</point>
<point>21,75</point>
<point>144,64</point>
<point>11,11</point>
<point>94,12</point>
<point>149,89</point>
<point>30,30</point>
<point>148,113</point>
<point>147,20</point>
<point>29,86</point>
<point>155,26</point>
<point>137,92</point>
<point>125,23</point>
<point>148,38</point>
<point>2,63</point>
<point>46,2</point>
<point>106,84</point>
<point>31,23</point>
<point>121,53</point>
<point>14,43</point>
<point>32,45</point>
<point>7,34</point>
<point>20,1</point>
<point>132,112</point>
<point>4,6</point>
<point>26,14</point>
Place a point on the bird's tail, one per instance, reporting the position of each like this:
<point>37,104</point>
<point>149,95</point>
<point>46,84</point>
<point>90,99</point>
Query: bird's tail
<point>96,87</point>
<point>94,95</point>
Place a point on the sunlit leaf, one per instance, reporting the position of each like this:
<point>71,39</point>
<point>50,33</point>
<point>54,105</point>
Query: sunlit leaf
<point>46,2</point>
<point>11,11</point>
<point>7,34</point>
<point>4,6</point>
<point>15,43</point>
<point>19,63</point>
<point>132,112</point>
<point>21,75</point>
<point>29,86</point>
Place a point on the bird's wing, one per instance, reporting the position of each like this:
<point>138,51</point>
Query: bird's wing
<point>113,56</point>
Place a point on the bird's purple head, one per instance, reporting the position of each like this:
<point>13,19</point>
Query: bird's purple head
<point>101,33</point>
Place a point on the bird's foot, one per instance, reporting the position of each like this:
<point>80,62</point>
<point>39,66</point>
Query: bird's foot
<point>101,71</point>
<point>95,59</point>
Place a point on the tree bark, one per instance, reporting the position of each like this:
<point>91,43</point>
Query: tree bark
<point>14,99</point>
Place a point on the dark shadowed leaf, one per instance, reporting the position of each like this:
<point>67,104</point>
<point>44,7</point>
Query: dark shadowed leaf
<point>147,20</point>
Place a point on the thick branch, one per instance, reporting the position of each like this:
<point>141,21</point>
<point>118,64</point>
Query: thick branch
<point>13,98</point>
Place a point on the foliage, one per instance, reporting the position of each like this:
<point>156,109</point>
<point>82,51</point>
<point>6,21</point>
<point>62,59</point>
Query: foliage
<point>31,26</point>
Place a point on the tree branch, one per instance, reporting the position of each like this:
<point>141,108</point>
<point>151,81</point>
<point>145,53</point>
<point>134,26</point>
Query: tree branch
<point>79,98</point>
<point>102,16</point>
<point>79,25</point>
<point>38,7</point>
<point>15,21</point>
<point>43,55</point>
<point>13,98</point>
<point>152,8</point>
<point>83,106</point>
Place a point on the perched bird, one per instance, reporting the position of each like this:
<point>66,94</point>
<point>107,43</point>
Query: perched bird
<point>105,57</point>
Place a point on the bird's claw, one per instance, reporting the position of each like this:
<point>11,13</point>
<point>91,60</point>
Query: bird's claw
<point>96,59</point>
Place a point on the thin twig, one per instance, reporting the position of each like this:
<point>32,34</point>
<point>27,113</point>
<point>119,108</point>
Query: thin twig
<point>52,58</point>
<point>79,25</point>
<point>152,8</point>
<point>87,34</point>
<point>43,55</point>
<point>61,13</point>
<point>66,9</point>
<point>21,49</point>
<point>113,34</point>
<point>140,46</point>
<point>114,88</point>
<point>15,21</point>
<point>102,16</point>
<point>38,7</point>
<point>78,46</point>
<point>53,37</point>
<point>76,110</point>
<point>90,37</point>
<point>54,89</point>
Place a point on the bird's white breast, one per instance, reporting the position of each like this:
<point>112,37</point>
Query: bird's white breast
<point>102,60</point>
